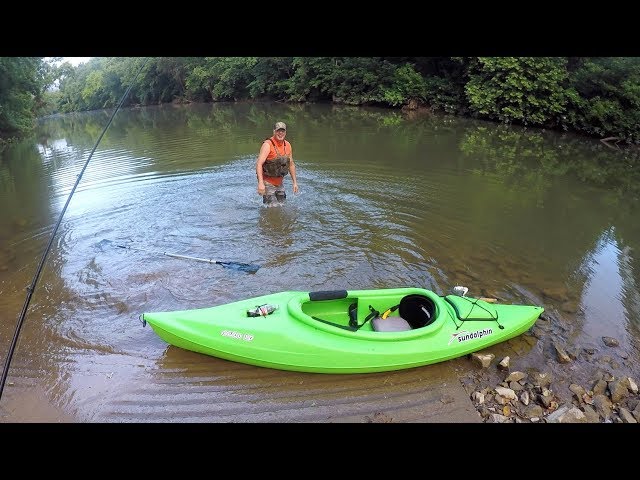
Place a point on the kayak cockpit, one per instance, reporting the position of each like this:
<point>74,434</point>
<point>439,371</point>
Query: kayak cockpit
<point>369,312</point>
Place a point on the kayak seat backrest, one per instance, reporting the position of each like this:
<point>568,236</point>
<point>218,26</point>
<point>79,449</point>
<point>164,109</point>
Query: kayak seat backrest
<point>418,310</point>
<point>390,324</point>
<point>353,314</point>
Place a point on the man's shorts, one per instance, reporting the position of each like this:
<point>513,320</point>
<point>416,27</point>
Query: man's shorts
<point>273,194</point>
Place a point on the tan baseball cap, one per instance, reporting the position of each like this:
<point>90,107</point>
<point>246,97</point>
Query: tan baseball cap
<point>280,126</point>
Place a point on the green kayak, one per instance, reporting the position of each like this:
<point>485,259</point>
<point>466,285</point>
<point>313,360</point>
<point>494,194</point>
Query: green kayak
<point>340,331</point>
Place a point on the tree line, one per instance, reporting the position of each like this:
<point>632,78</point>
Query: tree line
<point>593,96</point>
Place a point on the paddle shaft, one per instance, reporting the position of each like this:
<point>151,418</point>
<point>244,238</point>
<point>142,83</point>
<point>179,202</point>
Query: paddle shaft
<point>207,260</point>
<point>169,254</point>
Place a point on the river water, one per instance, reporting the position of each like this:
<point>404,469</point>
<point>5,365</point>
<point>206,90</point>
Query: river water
<point>386,199</point>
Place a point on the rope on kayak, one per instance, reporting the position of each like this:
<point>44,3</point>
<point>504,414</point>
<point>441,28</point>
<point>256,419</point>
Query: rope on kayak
<point>31,288</point>
<point>474,303</point>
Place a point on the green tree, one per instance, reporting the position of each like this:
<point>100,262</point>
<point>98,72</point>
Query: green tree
<point>605,99</point>
<point>20,93</point>
<point>526,90</point>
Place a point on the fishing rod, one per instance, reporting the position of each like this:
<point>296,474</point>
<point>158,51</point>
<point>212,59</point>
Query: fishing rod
<point>31,288</point>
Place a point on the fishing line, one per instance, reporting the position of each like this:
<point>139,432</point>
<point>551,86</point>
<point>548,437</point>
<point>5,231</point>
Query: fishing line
<point>31,288</point>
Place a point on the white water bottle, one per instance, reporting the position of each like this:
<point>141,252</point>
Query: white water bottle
<point>460,290</point>
<point>262,310</point>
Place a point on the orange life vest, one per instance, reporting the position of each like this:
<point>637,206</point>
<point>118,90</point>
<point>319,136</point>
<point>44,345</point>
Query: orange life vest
<point>276,165</point>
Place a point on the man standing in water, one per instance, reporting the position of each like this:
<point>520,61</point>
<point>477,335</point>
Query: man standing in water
<point>275,160</point>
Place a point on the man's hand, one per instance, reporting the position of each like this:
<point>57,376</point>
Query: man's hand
<point>295,187</point>
<point>261,188</point>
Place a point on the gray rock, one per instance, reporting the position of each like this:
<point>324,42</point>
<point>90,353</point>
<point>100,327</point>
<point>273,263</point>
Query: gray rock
<point>603,406</point>
<point>504,364</point>
<point>483,359</point>
<point>567,415</point>
<point>478,397</point>
<point>484,411</point>
<point>534,411</point>
<point>618,390</point>
<point>497,418</point>
<point>553,417</point>
<point>590,413</point>
<point>561,355</point>
<point>599,388</point>
<point>515,386</point>
<point>540,379</point>
<point>626,416</point>
<point>543,400</point>
<point>578,391</point>
<point>506,393</point>
<point>515,377</point>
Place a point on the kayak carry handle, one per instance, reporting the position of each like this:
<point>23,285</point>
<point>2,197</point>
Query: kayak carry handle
<point>327,295</point>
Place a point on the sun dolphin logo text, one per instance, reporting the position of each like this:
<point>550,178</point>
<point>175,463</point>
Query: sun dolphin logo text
<point>464,335</point>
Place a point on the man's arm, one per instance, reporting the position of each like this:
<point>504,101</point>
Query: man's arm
<point>292,171</point>
<point>262,156</point>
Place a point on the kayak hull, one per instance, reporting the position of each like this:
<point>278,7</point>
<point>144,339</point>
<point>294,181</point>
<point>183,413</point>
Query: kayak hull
<point>311,331</point>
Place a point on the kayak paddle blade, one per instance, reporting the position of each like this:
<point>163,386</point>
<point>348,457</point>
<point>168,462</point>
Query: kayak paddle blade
<point>242,267</point>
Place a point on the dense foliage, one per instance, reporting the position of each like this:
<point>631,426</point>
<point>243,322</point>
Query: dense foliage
<point>23,93</point>
<point>599,97</point>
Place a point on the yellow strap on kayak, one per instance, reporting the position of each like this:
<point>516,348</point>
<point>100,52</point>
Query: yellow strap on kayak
<point>389,312</point>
